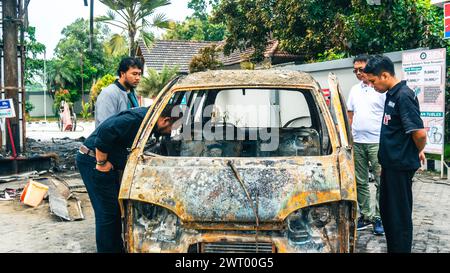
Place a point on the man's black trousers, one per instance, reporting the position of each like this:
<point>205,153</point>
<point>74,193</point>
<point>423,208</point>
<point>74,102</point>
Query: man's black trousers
<point>396,203</point>
<point>103,190</point>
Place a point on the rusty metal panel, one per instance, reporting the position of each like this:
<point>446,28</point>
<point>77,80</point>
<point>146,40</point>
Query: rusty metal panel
<point>206,189</point>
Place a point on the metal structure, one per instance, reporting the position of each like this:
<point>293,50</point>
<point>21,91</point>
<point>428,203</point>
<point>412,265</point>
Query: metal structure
<point>217,196</point>
<point>14,21</point>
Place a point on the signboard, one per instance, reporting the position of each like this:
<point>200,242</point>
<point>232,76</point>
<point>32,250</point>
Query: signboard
<point>424,72</point>
<point>446,20</point>
<point>7,109</point>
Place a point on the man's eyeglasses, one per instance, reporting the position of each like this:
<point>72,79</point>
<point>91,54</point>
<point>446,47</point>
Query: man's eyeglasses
<point>358,70</point>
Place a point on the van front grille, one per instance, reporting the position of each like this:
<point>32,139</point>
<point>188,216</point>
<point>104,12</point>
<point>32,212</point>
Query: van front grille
<point>233,247</point>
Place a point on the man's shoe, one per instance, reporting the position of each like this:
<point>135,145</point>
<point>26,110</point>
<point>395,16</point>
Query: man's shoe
<point>362,224</point>
<point>378,227</point>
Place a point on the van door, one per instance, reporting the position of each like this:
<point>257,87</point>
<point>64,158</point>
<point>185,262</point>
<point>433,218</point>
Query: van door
<point>339,112</point>
<point>345,152</point>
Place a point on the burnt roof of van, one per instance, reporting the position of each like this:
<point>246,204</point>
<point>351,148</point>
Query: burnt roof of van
<point>218,78</point>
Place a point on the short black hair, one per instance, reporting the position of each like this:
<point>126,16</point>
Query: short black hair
<point>378,64</point>
<point>361,58</point>
<point>127,63</point>
<point>170,111</point>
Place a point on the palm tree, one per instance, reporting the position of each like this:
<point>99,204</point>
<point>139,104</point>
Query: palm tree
<point>132,17</point>
<point>155,81</point>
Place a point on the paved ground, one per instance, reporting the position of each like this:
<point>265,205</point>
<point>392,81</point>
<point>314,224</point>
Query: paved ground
<point>24,229</point>
<point>47,130</point>
<point>430,218</point>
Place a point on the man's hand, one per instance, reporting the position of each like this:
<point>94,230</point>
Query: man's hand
<point>422,157</point>
<point>105,168</point>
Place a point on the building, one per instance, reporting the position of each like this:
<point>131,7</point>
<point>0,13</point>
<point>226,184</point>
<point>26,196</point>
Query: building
<point>180,53</point>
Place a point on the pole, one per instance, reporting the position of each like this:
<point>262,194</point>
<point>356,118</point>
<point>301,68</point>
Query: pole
<point>15,166</point>
<point>82,79</point>
<point>45,86</point>
<point>91,25</point>
<point>11,65</point>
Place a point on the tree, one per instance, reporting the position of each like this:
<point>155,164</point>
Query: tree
<point>199,26</point>
<point>391,26</point>
<point>207,59</point>
<point>34,66</point>
<point>98,86</point>
<point>334,28</point>
<point>75,67</point>
<point>132,17</point>
<point>152,84</point>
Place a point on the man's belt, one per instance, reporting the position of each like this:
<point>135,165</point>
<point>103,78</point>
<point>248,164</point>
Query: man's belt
<point>85,150</point>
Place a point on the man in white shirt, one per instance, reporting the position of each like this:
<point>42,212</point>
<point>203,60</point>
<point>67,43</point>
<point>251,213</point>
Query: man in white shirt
<point>365,112</point>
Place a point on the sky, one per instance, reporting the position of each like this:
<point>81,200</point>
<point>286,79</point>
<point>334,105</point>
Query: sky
<point>51,16</point>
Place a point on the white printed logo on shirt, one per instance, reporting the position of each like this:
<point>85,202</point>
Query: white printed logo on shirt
<point>391,104</point>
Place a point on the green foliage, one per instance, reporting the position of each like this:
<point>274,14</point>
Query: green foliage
<point>75,64</point>
<point>248,66</point>
<point>152,84</point>
<point>331,28</point>
<point>133,18</point>
<point>207,59</point>
<point>391,26</point>
<point>199,26</point>
<point>28,107</point>
<point>34,66</point>
<point>61,95</point>
<point>116,46</point>
<point>85,110</point>
<point>98,86</point>
<point>195,29</point>
<point>201,7</point>
<point>329,55</point>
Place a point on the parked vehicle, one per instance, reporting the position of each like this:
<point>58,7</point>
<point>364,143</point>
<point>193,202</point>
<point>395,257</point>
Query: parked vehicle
<point>258,163</point>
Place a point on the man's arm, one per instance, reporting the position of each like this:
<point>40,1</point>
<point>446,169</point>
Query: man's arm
<point>106,105</point>
<point>114,130</point>
<point>350,118</point>
<point>102,157</point>
<point>420,139</point>
<point>412,122</point>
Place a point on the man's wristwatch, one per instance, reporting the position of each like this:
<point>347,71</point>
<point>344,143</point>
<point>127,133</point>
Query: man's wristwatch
<point>102,163</point>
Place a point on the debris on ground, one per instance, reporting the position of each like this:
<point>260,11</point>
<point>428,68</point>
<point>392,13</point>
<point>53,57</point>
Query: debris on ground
<point>65,150</point>
<point>33,193</point>
<point>64,203</point>
<point>27,175</point>
<point>8,194</point>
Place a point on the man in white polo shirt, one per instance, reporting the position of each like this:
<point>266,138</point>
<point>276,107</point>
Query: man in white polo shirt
<point>365,112</point>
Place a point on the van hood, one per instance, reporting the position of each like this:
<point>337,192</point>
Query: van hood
<point>208,190</point>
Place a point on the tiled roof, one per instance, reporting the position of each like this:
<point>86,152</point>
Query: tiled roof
<point>173,53</point>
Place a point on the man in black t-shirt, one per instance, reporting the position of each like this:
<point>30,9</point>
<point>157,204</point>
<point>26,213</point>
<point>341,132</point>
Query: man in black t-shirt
<point>402,141</point>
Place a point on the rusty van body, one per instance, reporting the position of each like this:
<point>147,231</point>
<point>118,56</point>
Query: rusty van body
<point>207,195</point>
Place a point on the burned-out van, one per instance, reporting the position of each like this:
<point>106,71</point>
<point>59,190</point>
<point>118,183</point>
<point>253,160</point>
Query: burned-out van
<point>257,163</point>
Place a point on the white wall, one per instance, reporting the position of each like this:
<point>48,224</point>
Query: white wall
<point>343,69</point>
<point>37,99</point>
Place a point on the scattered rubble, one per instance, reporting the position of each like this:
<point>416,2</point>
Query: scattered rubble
<point>64,203</point>
<point>10,178</point>
<point>8,194</point>
<point>65,150</point>
<point>33,193</point>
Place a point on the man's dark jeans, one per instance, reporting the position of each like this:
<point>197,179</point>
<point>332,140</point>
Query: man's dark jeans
<point>103,190</point>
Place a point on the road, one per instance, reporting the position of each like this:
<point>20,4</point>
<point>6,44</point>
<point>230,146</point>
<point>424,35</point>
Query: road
<point>25,229</point>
